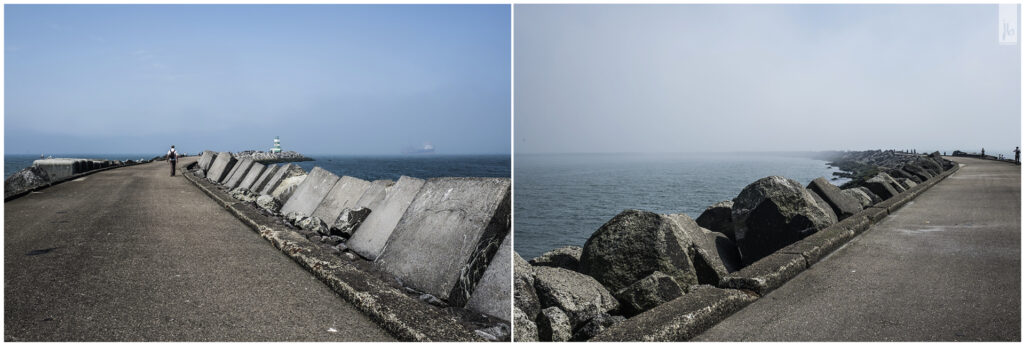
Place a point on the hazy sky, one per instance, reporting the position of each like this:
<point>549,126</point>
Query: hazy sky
<point>682,78</point>
<point>340,79</point>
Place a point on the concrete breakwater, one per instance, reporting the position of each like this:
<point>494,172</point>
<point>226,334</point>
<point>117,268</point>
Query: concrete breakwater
<point>46,172</point>
<point>655,277</point>
<point>427,259</point>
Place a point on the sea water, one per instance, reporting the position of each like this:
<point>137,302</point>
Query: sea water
<point>560,200</point>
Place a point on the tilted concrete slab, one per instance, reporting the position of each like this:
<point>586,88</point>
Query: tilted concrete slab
<point>254,173</point>
<point>275,179</point>
<point>493,293</point>
<point>766,274</point>
<point>374,194</point>
<point>58,168</point>
<point>448,235</point>
<point>343,195</point>
<point>206,160</point>
<point>270,170</point>
<point>680,319</point>
<point>231,173</point>
<point>243,169</point>
<point>220,167</point>
<point>311,192</point>
<point>369,240</point>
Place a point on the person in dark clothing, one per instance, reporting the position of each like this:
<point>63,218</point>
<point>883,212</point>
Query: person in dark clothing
<point>1016,155</point>
<point>172,157</point>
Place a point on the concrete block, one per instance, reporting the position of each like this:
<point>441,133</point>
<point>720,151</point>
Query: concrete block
<point>680,319</point>
<point>57,168</point>
<point>310,193</point>
<point>277,177</point>
<point>493,294</point>
<point>373,234</point>
<point>220,167</point>
<point>270,170</point>
<point>766,274</point>
<point>343,195</point>
<point>858,223</point>
<point>206,160</point>
<point>448,235</point>
<point>231,172</point>
<point>821,243</point>
<point>237,177</point>
<point>254,173</point>
<point>374,194</point>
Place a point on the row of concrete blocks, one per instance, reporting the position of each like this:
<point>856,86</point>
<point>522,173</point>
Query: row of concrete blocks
<point>689,315</point>
<point>59,168</point>
<point>448,236</point>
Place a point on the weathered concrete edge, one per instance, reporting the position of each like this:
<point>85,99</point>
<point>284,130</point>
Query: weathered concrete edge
<point>400,315</point>
<point>65,179</point>
<point>681,319</point>
<point>762,277</point>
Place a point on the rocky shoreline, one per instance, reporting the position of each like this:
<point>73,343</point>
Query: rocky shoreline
<point>271,158</point>
<point>640,264</point>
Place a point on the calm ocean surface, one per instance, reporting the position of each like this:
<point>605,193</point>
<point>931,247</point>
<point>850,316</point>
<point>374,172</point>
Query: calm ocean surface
<point>365,167</point>
<point>560,200</point>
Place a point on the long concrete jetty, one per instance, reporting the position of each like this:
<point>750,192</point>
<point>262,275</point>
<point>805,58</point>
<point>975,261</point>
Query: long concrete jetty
<point>131,254</point>
<point>945,267</point>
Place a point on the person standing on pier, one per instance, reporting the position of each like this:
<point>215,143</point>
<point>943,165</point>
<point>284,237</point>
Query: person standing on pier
<point>1016,155</point>
<point>172,157</point>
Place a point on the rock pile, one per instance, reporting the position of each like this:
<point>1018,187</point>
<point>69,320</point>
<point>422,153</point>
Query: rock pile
<point>268,157</point>
<point>639,260</point>
<point>44,172</point>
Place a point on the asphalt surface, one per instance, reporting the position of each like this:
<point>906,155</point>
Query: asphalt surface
<point>132,254</point>
<point>945,267</point>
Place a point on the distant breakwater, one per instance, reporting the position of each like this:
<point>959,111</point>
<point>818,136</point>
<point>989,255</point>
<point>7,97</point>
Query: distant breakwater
<point>46,172</point>
<point>667,277</point>
<point>442,242</point>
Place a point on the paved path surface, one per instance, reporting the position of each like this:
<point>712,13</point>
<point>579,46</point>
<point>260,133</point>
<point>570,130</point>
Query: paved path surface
<point>945,267</point>
<point>136,255</point>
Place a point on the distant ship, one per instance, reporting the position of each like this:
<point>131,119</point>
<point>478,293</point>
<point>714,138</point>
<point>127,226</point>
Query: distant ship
<point>426,149</point>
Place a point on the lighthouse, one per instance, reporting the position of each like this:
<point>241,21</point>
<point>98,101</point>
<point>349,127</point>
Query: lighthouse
<point>277,145</point>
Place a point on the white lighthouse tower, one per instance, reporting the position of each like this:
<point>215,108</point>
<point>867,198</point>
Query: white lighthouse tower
<point>277,145</point>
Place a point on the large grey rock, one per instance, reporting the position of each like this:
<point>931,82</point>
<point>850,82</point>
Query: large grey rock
<point>255,171</point>
<point>285,172</point>
<point>567,257</point>
<point>240,173</point>
<point>206,160</point>
<point>25,179</point>
<point>840,203</point>
<point>268,171</point>
<point>348,221</point>
<point>525,295</point>
<point>578,295</point>
<point>858,195</point>
<point>373,233</point>
<point>448,235</point>
<point>287,187</point>
<point>554,325</point>
<point>916,170</point>
<point>524,329</point>
<point>932,166</point>
<point>718,217</point>
<point>714,256</point>
<point>344,194</point>
<point>313,224</point>
<point>311,192</point>
<point>493,292</point>
<point>823,205</point>
<point>892,182</point>
<point>634,244</point>
<point>906,182</point>
<point>221,166</point>
<point>269,203</point>
<point>653,290</point>
<point>898,173</point>
<point>243,194</point>
<point>773,212</point>
<point>595,326</point>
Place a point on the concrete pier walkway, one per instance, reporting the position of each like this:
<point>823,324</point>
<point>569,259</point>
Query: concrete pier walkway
<point>132,254</point>
<point>945,267</point>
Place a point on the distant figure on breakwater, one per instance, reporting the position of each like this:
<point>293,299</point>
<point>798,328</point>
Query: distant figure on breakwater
<point>1016,155</point>
<point>983,153</point>
<point>172,157</point>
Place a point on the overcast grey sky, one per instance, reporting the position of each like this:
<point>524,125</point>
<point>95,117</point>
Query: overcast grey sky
<point>687,78</point>
<point>327,79</point>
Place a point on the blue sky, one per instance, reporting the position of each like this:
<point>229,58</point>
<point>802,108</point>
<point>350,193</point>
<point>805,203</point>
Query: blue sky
<point>337,79</point>
<point>698,78</point>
